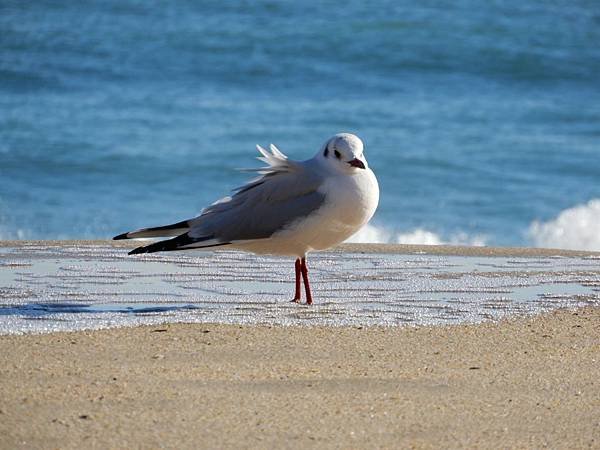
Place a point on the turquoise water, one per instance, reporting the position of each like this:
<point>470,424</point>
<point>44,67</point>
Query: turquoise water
<point>479,118</point>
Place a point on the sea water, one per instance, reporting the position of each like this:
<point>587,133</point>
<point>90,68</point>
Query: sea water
<point>480,119</point>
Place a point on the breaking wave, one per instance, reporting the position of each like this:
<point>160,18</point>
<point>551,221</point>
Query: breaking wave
<point>419,236</point>
<point>576,228</point>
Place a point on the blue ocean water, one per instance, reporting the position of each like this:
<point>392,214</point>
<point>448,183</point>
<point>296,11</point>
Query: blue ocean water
<point>480,119</point>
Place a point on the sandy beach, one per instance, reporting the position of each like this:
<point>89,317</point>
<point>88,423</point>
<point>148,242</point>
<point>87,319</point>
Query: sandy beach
<point>523,383</point>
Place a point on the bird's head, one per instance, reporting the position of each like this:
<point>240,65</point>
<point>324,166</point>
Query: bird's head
<point>343,152</point>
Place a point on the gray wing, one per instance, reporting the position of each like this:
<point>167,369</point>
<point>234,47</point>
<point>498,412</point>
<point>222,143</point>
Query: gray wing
<point>260,208</point>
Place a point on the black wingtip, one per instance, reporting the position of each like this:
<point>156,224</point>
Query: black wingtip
<point>121,236</point>
<point>163,246</point>
<point>175,244</point>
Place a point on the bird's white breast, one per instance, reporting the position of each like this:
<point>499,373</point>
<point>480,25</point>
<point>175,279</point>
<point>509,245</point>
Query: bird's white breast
<point>350,202</point>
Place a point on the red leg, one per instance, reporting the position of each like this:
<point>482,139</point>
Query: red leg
<point>297,295</point>
<point>304,270</point>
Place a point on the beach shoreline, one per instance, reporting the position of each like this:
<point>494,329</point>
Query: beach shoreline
<point>524,382</point>
<point>403,249</point>
<point>61,285</point>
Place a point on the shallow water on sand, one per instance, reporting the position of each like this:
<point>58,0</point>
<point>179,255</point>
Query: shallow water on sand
<point>74,287</point>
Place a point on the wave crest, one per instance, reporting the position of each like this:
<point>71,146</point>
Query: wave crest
<point>370,234</point>
<point>576,228</point>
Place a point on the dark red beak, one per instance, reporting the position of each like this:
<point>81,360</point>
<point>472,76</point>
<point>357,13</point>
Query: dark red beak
<point>357,163</point>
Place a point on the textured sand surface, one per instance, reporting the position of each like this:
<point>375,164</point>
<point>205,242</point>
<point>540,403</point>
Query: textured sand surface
<point>368,248</point>
<point>70,286</point>
<point>524,383</point>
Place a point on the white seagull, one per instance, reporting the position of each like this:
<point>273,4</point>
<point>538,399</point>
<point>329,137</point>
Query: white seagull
<point>292,208</point>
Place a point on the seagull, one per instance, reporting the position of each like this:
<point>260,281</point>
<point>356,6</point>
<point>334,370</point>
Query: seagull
<point>292,208</point>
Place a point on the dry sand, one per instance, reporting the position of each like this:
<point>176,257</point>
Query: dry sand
<point>524,383</point>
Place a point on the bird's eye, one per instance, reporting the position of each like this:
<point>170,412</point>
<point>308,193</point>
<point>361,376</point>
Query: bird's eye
<point>337,154</point>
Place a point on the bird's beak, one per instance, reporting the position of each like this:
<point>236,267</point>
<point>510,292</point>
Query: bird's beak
<point>357,163</point>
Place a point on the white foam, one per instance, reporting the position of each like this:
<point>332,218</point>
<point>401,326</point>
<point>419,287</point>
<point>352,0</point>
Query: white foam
<point>18,234</point>
<point>576,228</point>
<point>419,236</point>
<point>370,234</point>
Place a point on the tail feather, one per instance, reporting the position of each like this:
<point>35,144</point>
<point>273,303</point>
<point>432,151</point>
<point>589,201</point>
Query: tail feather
<point>166,230</point>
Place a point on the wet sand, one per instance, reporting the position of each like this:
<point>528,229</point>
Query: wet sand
<point>457,250</point>
<point>70,285</point>
<point>522,383</point>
